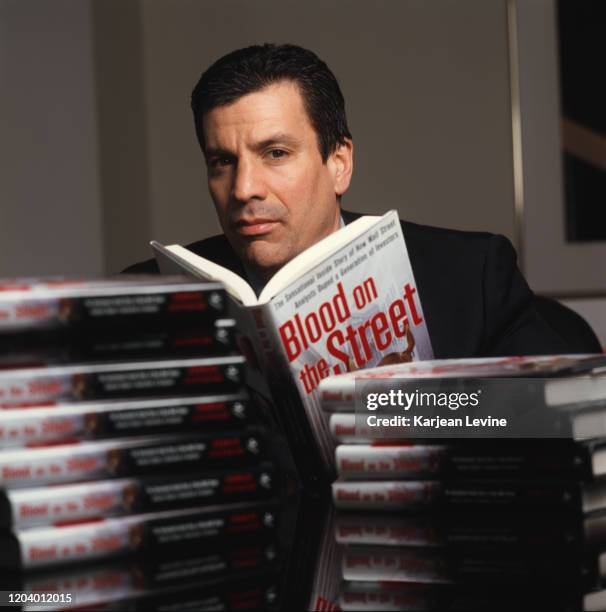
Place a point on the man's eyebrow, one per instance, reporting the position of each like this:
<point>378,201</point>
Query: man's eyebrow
<point>276,139</point>
<point>216,152</point>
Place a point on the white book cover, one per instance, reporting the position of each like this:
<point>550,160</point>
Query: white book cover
<point>41,424</point>
<point>47,546</point>
<point>348,303</point>
<point>402,461</point>
<point>55,303</point>
<point>338,392</point>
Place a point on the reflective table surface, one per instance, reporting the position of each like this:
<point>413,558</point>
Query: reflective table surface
<point>309,556</point>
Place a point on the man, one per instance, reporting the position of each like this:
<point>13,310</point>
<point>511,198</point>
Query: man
<point>272,127</point>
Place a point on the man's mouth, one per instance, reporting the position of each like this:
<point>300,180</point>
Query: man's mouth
<point>255,226</point>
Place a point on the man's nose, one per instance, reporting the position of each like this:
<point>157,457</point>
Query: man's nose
<point>248,182</point>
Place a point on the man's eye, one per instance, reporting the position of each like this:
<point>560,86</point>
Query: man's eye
<point>220,162</point>
<point>277,153</point>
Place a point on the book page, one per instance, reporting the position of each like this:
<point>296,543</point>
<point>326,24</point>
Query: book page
<point>176,255</point>
<point>177,259</point>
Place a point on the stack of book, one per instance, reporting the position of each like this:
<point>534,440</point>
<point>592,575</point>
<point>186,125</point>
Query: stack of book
<point>126,429</point>
<point>438,524</point>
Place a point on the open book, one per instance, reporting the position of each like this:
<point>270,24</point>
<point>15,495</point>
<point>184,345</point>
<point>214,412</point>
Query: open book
<point>348,302</point>
<point>236,286</point>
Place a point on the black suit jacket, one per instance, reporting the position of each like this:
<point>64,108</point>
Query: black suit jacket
<point>475,300</point>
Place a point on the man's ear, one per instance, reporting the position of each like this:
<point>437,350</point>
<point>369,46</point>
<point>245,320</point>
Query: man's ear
<point>340,164</point>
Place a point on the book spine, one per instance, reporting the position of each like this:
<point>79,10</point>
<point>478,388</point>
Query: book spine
<point>100,583</point>
<point>399,532</point>
<point>144,379</point>
<point>409,565</point>
<point>107,498</point>
<point>337,394</point>
<point>496,495</point>
<point>468,530</point>
<point>115,459</point>
<point>590,424</point>
<point>82,346</point>
<point>435,566</point>
<point>324,604</point>
<point>157,533</point>
<point>373,600</point>
<point>367,595</point>
<point>166,585</point>
<point>232,594</point>
<point>344,431</point>
<point>479,596</point>
<point>25,426</point>
<point>388,462</point>
<point>504,460</point>
<point>175,305</point>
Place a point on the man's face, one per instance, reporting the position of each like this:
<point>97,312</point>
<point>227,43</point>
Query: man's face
<point>273,194</point>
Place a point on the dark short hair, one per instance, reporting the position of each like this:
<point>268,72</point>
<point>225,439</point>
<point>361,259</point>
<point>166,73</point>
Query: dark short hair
<point>251,69</point>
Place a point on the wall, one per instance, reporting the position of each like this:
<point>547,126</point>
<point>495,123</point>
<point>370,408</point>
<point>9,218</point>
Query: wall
<point>98,151</point>
<point>426,86</point>
<point>50,213</point>
<point>122,129</point>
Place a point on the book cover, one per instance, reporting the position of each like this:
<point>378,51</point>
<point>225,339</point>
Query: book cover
<point>505,496</point>
<point>61,504</point>
<point>157,532</point>
<point>448,566</point>
<point>76,461</point>
<point>240,577</point>
<point>40,424</point>
<point>35,304</point>
<point>498,459</point>
<point>337,393</point>
<point>349,302</point>
<point>35,349</point>
<point>480,529</point>
<point>80,382</point>
<point>476,597</point>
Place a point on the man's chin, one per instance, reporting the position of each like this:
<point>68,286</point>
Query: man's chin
<point>263,262</point>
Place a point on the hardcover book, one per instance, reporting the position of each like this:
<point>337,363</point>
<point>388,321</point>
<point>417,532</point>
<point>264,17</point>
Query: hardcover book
<point>99,499</point>
<point>77,461</point>
<point>42,304</point>
<point>241,577</point>
<point>167,377</point>
<point>508,532</point>
<point>569,379</point>
<point>41,424</point>
<point>347,303</point>
<point>161,341</point>
<point>176,530</point>
<point>563,497</point>
<point>501,459</point>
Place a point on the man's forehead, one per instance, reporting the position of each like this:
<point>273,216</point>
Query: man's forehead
<point>276,110</point>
